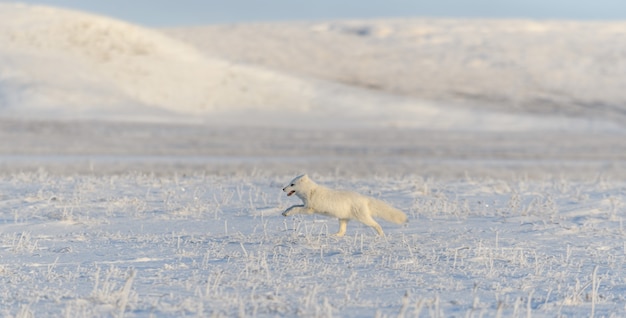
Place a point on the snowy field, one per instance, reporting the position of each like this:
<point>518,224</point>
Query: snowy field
<point>139,244</point>
<point>141,170</point>
<point>144,219</point>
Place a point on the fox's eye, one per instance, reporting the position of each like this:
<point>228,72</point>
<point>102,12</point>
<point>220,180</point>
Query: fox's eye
<point>292,185</point>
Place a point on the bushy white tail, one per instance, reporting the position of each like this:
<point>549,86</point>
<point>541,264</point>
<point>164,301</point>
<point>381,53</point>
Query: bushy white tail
<point>386,212</point>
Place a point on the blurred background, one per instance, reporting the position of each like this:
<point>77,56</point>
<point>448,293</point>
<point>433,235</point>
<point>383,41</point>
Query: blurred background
<point>446,88</point>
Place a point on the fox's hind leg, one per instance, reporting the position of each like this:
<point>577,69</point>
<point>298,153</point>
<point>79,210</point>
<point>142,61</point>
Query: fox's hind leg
<point>367,220</point>
<point>343,224</point>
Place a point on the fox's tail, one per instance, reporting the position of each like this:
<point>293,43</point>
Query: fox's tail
<point>386,212</point>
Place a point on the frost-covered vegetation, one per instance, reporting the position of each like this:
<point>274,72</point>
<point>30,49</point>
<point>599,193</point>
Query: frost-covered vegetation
<point>139,244</point>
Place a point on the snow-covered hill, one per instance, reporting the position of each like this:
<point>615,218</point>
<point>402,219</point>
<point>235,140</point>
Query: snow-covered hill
<point>61,61</point>
<point>64,64</point>
<point>543,67</point>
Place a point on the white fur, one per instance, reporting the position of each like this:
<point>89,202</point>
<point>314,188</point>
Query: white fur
<point>344,205</point>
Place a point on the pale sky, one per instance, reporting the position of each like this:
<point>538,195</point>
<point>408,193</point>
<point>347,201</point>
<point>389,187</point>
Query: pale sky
<point>161,13</point>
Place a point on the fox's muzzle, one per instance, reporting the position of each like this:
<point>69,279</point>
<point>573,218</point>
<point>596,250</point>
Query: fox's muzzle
<point>290,192</point>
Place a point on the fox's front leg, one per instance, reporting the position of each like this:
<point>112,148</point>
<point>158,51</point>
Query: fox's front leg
<point>297,209</point>
<point>343,224</point>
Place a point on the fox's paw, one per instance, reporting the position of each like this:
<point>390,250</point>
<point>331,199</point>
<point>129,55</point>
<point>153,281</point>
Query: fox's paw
<point>289,211</point>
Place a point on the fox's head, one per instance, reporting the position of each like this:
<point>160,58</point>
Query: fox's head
<point>296,185</point>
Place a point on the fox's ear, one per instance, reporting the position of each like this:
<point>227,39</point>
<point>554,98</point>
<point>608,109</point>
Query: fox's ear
<point>299,178</point>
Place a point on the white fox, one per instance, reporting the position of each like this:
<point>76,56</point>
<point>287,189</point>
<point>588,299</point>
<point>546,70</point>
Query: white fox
<point>344,205</point>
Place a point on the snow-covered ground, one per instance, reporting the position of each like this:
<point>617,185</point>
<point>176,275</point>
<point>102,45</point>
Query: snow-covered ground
<point>105,148</point>
<point>141,170</point>
<point>205,245</point>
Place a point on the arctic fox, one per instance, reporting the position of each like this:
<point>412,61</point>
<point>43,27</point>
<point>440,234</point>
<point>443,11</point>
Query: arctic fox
<point>344,205</point>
